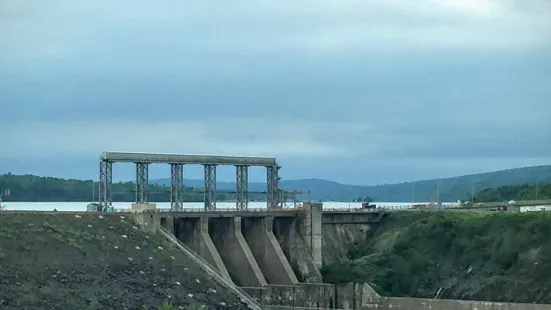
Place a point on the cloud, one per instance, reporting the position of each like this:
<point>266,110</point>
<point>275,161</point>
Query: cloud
<point>390,89</point>
<point>46,140</point>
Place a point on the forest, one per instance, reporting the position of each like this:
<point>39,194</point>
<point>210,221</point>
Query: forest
<point>34,188</point>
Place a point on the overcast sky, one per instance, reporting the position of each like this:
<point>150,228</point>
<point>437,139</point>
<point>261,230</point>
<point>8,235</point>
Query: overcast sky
<point>359,92</point>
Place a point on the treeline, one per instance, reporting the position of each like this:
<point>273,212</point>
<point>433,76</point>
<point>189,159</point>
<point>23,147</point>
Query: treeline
<point>517,193</point>
<point>43,189</point>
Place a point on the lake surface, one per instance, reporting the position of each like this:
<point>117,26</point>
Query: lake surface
<point>81,206</point>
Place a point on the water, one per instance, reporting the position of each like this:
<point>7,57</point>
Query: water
<point>81,206</point>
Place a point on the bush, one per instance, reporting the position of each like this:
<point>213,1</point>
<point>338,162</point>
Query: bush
<point>504,256</point>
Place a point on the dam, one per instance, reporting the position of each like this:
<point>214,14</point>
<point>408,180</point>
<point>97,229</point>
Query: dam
<point>274,255</point>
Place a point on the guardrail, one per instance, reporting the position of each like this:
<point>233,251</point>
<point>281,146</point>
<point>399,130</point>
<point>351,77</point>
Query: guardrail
<point>193,210</point>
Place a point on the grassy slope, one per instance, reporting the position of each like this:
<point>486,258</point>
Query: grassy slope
<point>64,262</point>
<point>480,256</point>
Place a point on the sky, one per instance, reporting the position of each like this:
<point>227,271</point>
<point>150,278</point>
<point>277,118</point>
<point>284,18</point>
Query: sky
<point>358,92</point>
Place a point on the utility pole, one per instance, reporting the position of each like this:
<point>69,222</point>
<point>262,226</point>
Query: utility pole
<point>472,190</point>
<point>438,195</point>
<point>537,187</point>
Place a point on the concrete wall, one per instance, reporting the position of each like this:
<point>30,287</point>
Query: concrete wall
<point>360,296</point>
<point>300,295</point>
<point>423,304</point>
<point>298,253</point>
<point>194,232</point>
<point>235,252</point>
<point>258,233</point>
<point>310,228</point>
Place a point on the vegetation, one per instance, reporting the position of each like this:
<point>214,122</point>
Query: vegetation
<point>68,261</point>
<point>477,256</point>
<point>35,188</point>
<point>448,189</point>
<point>364,199</point>
<point>517,193</point>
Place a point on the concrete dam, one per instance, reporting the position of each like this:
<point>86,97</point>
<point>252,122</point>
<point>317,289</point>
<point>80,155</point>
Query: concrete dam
<point>275,256</point>
<point>256,248</point>
<point>271,257</point>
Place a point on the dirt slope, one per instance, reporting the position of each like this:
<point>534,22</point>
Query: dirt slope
<point>68,261</point>
<point>477,256</point>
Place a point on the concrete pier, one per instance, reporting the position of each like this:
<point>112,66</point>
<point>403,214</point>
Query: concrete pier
<point>311,229</point>
<point>258,233</point>
<point>194,232</point>
<point>296,250</point>
<point>235,252</point>
<point>257,248</point>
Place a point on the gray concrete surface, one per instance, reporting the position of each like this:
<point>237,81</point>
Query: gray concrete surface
<point>210,270</point>
<point>294,247</point>
<point>194,233</point>
<point>258,233</point>
<point>235,252</point>
<point>310,228</point>
<point>360,296</point>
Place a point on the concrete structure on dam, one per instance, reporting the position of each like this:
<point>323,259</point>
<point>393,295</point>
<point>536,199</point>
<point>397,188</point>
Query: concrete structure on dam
<point>274,255</point>
<point>256,248</point>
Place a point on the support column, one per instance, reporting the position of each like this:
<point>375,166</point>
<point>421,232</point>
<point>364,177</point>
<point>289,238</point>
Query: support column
<point>235,252</point>
<point>177,186</point>
<point>194,232</point>
<point>210,187</point>
<point>105,181</point>
<point>258,233</point>
<point>142,183</point>
<point>311,230</point>
<point>272,187</point>
<point>242,187</point>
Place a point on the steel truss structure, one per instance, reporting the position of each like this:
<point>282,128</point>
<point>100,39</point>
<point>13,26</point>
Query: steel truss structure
<point>177,162</point>
<point>142,183</point>
<point>242,187</point>
<point>210,187</point>
<point>105,182</point>
<point>272,181</point>
<point>176,186</point>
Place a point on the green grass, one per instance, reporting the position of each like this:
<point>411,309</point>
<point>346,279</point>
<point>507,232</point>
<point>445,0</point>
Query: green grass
<point>482,256</point>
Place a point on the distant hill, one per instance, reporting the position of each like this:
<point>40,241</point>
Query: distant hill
<point>450,189</point>
<point>514,192</point>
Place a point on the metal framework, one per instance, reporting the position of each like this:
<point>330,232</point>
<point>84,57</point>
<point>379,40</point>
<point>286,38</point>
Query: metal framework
<point>210,187</point>
<point>272,181</point>
<point>142,183</point>
<point>105,182</point>
<point>187,159</point>
<point>142,161</point>
<point>242,187</point>
<point>177,186</point>
<point>288,198</point>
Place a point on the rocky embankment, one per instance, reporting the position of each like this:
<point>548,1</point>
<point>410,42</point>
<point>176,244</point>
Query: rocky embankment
<point>69,261</point>
<point>502,257</point>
